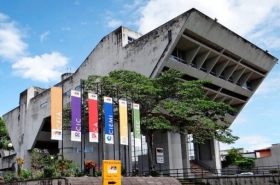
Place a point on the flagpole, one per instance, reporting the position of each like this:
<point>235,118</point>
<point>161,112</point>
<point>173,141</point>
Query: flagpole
<point>83,124</point>
<point>103,125</point>
<point>133,126</point>
<point>99,126</point>
<point>119,130</point>
<point>81,86</point>
<point>62,132</point>
<point>114,126</point>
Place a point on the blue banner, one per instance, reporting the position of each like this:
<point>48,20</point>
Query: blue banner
<point>109,120</point>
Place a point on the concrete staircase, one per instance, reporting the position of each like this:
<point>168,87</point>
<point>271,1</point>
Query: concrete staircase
<point>199,171</point>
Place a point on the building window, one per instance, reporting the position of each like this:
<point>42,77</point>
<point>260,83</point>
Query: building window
<point>222,75</point>
<point>86,150</point>
<point>43,105</point>
<point>238,82</point>
<point>78,88</point>
<point>203,68</point>
<point>230,79</point>
<point>67,93</point>
<point>177,55</point>
<point>129,40</point>
<point>248,85</point>
<point>213,71</point>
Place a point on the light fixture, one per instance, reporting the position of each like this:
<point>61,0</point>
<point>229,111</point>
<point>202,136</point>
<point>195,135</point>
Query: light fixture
<point>10,145</point>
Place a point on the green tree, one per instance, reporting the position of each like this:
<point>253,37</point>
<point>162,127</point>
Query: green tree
<point>4,135</point>
<point>3,130</point>
<point>235,157</point>
<point>167,103</point>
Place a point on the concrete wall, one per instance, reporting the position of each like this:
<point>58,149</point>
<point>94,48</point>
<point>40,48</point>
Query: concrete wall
<point>98,181</point>
<point>256,180</point>
<point>261,180</point>
<point>272,160</point>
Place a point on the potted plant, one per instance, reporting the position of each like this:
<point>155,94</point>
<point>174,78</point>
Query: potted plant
<point>89,164</point>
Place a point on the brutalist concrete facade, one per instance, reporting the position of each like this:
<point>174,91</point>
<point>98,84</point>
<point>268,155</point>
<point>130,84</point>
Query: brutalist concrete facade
<point>191,43</point>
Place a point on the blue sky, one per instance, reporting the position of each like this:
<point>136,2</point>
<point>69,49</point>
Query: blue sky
<point>40,40</point>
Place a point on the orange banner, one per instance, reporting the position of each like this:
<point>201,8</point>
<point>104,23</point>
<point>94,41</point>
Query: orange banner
<point>56,113</point>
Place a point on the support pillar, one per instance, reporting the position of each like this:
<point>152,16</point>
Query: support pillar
<point>185,155</point>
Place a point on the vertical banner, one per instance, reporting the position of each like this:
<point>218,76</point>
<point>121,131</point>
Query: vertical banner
<point>123,122</point>
<point>56,113</point>
<point>109,120</point>
<point>136,124</point>
<point>93,117</point>
<point>76,125</point>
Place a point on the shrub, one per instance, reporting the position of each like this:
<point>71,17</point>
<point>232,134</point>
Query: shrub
<point>25,174</point>
<point>10,177</point>
<point>154,173</point>
<point>98,173</point>
<point>48,171</point>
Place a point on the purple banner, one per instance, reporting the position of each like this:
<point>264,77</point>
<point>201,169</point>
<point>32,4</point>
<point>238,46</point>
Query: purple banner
<point>76,116</point>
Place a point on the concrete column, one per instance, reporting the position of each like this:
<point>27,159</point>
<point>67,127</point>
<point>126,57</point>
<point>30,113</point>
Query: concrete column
<point>217,156</point>
<point>209,153</point>
<point>171,144</point>
<point>185,155</point>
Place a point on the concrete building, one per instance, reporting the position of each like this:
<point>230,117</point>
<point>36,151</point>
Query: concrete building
<point>268,156</point>
<point>191,43</point>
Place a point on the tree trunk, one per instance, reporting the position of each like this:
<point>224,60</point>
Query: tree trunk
<point>151,149</point>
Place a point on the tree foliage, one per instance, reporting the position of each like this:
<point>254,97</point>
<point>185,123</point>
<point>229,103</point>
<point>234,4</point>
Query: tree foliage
<point>235,157</point>
<point>167,103</point>
<point>4,135</point>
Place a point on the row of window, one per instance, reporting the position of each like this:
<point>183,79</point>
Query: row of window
<point>247,84</point>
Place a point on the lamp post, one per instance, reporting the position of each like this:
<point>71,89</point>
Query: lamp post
<point>10,145</point>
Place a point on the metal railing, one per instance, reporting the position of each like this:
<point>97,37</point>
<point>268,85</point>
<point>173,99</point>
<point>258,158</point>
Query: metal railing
<point>204,166</point>
<point>206,173</point>
<point>177,59</point>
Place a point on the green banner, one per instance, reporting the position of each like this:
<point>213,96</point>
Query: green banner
<point>136,124</point>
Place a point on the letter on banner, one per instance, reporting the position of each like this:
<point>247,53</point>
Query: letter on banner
<point>136,124</point>
<point>76,116</point>
<point>93,117</point>
<point>123,122</point>
<point>56,113</point>
<point>109,120</point>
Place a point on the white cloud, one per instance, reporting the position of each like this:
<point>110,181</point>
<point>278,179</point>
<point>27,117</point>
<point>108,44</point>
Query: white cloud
<point>3,17</point>
<point>249,143</point>
<point>44,35</point>
<point>243,17</point>
<point>271,85</point>
<point>240,119</point>
<point>113,23</point>
<point>130,7</point>
<point>11,44</point>
<point>77,3</point>
<point>44,68</point>
<point>268,113</point>
<point>66,28</point>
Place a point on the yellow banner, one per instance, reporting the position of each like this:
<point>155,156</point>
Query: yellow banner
<point>56,113</point>
<point>123,122</point>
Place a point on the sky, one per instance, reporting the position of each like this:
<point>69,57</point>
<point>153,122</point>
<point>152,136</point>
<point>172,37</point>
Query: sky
<point>40,40</point>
